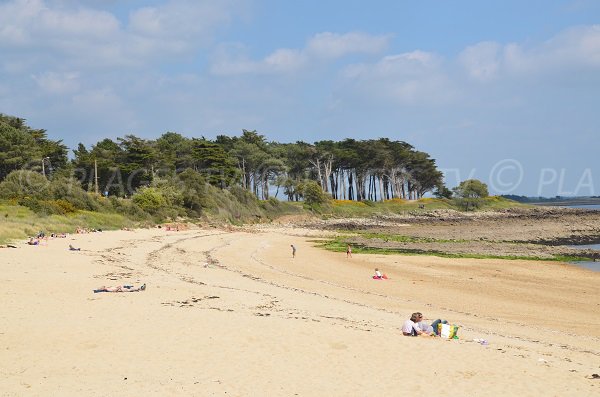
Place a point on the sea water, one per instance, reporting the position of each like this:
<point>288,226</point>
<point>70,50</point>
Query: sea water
<point>587,264</point>
<point>586,206</point>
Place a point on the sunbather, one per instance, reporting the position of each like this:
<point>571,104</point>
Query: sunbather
<point>121,288</point>
<point>71,248</point>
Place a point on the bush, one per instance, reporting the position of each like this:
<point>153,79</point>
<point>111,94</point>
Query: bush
<point>21,183</point>
<point>65,206</point>
<point>129,208</point>
<point>149,199</point>
<point>313,194</point>
<point>69,189</point>
<point>468,203</point>
<point>194,192</point>
<point>47,207</point>
<point>242,195</point>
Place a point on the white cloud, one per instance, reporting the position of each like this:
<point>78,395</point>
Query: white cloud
<point>182,19</point>
<point>481,61</point>
<point>322,47</point>
<point>333,45</point>
<point>32,23</point>
<point>58,83</point>
<point>408,78</point>
<point>65,33</point>
<point>572,49</point>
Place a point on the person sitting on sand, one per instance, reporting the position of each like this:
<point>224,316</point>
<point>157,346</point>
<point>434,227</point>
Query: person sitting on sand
<point>33,241</point>
<point>378,274</point>
<point>71,248</point>
<point>121,288</point>
<point>415,326</point>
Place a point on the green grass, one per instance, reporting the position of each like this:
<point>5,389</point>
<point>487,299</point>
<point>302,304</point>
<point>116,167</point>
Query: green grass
<point>356,209</point>
<point>403,239</point>
<point>17,222</point>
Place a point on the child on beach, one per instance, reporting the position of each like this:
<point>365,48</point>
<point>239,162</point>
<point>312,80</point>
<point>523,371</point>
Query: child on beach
<point>378,275</point>
<point>349,252</point>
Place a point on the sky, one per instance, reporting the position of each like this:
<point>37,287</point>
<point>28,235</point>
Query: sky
<point>507,92</point>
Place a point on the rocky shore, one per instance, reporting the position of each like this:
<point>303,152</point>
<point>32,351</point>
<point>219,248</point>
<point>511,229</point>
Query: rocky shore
<point>537,232</point>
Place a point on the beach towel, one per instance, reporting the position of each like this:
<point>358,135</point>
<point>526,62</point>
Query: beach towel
<point>384,277</point>
<point>447,331</point>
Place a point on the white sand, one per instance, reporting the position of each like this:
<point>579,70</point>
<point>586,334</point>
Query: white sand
<point>257,322</point>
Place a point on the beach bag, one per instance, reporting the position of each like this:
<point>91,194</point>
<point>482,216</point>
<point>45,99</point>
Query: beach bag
<point>447,331</point>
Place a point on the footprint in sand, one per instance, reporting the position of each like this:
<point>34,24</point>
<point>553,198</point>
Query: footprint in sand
<point>337,346</point>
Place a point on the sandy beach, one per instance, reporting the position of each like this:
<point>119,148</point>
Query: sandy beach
<point>231,313</point>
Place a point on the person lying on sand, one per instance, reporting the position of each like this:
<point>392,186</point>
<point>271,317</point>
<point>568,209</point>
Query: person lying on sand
<point>121,288</point>
<point>415,326</point>
<point>71,248</point>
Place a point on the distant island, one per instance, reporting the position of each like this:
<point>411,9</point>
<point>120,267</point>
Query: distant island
<point>557,200</point>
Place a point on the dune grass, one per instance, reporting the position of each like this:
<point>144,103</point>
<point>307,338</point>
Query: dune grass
<point>17,222</point>
<point>358,209</point>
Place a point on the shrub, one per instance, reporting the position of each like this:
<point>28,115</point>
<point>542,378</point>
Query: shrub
<point>242,195</point>
<point>149,199</point>
<point>69,189</point>
<point>129,208</point>
<point>23,183</point>
<point>65,206</point>
<point>47,207</point>
<point>313,194</point>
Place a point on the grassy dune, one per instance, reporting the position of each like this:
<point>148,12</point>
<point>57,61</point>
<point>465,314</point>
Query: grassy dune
<point>357,209</point>
<point>17,222</point>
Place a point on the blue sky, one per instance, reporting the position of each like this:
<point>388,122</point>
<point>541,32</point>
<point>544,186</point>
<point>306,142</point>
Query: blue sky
<point>503,91</point>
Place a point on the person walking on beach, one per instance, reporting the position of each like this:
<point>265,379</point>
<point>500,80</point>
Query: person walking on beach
<point>348,252</point>
<point>293,250</point>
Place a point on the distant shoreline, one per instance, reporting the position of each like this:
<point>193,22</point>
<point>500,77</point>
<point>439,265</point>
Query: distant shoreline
<point>567,203</point>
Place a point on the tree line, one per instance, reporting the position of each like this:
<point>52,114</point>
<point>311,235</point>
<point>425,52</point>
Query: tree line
<point>374,169</point>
